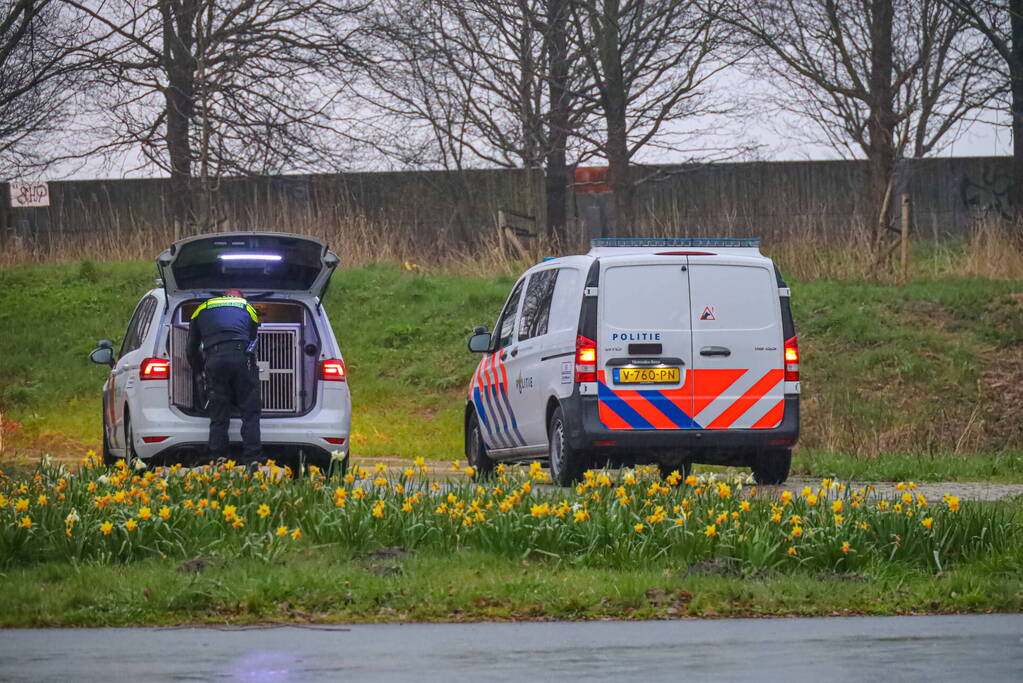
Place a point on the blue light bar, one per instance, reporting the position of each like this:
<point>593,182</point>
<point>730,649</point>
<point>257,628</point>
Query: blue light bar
<point>250,257</point>
<point>747,242</point>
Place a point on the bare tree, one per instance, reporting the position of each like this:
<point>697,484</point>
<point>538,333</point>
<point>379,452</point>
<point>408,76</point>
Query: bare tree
<point>41,62</point>
<point>652,63</point>
<point>469,81</point>
<point>881,79</point>
<point>1000,22</point>
<point>240,87</point>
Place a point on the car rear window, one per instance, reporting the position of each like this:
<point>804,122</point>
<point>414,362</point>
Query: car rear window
<point>274,263</point>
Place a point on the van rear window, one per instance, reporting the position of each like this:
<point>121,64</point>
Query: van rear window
<point>268,262</point>
<point>645,297</point>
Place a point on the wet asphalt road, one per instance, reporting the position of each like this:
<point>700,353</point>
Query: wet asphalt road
<point>941,648</point>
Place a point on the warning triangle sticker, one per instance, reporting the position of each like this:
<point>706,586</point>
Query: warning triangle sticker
<point>708,313</point>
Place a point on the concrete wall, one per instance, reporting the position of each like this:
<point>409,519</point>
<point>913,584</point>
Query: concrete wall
<point>772,200</point>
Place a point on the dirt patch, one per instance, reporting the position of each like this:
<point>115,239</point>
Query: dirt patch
<point>394,552</point>
<point>195,565</point>
<point>1000,388</point>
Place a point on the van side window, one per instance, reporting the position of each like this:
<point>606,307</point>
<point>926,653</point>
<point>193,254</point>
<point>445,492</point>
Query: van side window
<point>536,305</point>
<point>128,344</point>
<point>505,326</point>
<point>142,331</point>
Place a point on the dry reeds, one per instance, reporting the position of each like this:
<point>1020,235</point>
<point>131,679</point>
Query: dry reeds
<point>806,247</point>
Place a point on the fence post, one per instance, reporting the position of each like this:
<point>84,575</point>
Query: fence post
<point>905,236</point>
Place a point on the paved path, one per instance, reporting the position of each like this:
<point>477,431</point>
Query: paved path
<point>941,648</point>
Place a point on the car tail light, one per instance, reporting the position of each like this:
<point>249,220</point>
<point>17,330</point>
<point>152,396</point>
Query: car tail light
<point>333,370</point>
<point>337,440</point>
<point>154,368</point>
<point>585,359</point>
<point>792,359</point>
<point>154,439</point>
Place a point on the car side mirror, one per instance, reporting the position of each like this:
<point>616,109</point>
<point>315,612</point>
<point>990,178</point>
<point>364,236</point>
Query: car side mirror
<point>104,355</point>
<point>480,340</point>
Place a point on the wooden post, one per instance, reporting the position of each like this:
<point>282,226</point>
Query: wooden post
<point>500,234</point>
<point>905,237</point>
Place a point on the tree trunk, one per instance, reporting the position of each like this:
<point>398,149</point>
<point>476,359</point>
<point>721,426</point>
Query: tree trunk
<point>618,170</point>
<point>881,125</point>
<point>178,41</point>
<point>1016,87</point>
<point>556,177</point>
<point>615,98</point>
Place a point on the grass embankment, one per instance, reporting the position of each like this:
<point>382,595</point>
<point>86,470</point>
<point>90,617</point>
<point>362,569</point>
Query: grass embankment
<point>117,547</point>
<point>917,381</point>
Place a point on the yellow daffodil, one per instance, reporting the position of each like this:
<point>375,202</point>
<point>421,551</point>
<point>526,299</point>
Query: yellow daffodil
<point>928,522</point>
<point>26,522</point>
<point>263,510</point>
<point>130,524</point>
<point>281,531</point>
<point>107,527</point>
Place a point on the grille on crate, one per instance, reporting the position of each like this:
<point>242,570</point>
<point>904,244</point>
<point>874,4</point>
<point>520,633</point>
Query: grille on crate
<point>276,354</point>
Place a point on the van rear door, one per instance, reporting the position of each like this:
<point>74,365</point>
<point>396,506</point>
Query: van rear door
<point>738,344</point>
<point>250,261</point>
<point>644,343</point>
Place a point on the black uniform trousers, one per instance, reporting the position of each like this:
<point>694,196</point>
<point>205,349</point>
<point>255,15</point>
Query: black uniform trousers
<point>233,381</point>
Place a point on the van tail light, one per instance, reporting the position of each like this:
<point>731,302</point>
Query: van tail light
<point>585,359</point>
<point>154,368</point>
<point>792,359</point>
<point>333,370</point>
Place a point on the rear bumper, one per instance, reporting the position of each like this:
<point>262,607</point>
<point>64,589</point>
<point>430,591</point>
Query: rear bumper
<point>330,417</point>
<point>711,446</point>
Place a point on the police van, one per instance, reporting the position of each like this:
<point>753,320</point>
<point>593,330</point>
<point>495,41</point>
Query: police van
<point>643,351</point>
<point>154,403</point>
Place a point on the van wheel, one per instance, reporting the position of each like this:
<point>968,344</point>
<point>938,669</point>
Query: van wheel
<point>108,457</point>
<point>685,469</point>
<point>476,451</point>
<point>772,467</point>
<point>130,456</point>
<point>567,463</point>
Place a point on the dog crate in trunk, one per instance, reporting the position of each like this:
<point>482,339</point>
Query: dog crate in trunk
<point>278,356</point>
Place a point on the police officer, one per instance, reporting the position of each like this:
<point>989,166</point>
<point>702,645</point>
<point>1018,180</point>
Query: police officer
<point>222,339</point>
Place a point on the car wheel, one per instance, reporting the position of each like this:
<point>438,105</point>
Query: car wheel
<point>130,455</point>
<point>685,468</point>
<point>567,463</point>
<point>108,457</point>
<point>772,467</point>
<point>476,451</point>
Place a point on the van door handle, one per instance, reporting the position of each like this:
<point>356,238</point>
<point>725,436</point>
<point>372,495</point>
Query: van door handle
<point>715,351</point>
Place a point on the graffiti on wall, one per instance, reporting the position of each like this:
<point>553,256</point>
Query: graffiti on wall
<point>988,195</point>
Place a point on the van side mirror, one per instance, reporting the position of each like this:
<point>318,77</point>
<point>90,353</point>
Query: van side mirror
<point>104,355</point>
<point>480,340</point>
